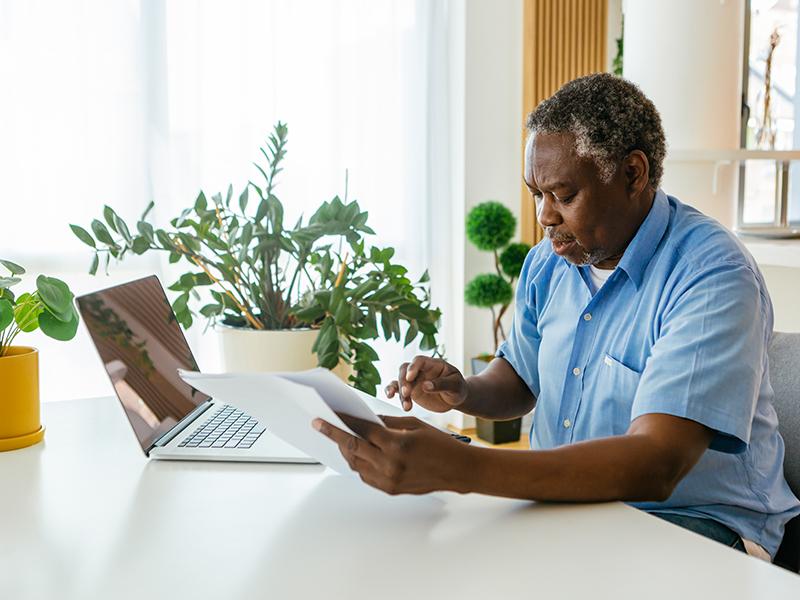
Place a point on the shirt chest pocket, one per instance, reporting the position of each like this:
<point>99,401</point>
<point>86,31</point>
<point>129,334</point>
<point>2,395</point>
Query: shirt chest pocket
<point>615,390</point>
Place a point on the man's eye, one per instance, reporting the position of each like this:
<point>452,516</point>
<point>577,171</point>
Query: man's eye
<point>537,196</point>
<point>566,200</point>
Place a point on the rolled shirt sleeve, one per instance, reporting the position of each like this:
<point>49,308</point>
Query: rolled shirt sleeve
<point>521,348</point>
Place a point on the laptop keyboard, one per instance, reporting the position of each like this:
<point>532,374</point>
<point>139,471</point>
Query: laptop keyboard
<point>228,427</point>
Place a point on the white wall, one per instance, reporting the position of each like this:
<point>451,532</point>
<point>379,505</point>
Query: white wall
<point>690,65</point>
<point>687,57</point>
<point>783,284</point>
<point>614,24</point>
<point>493,134</point>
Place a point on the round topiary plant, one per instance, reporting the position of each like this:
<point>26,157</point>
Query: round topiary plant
<point>490,226</point>
<point>512,258</point>
<point>487,290</point>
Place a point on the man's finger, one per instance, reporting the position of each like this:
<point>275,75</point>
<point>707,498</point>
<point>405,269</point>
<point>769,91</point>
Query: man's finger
<point>451,383</point>
<point>371,432</point>
<point>349,445</point>
<point>392,389</point>
<point>402,422</point>
<point>331,431</point>
<point>418,364</point>
<point>405,387</point>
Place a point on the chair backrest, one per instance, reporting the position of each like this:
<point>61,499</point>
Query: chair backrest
<point>784,374</point>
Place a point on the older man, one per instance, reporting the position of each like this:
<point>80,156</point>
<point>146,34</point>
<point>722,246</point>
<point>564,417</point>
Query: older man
<point>640,335</point>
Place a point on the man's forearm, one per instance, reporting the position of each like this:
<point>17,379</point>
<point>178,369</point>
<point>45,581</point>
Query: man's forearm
<point>497,393</point>
<point>627,467</point>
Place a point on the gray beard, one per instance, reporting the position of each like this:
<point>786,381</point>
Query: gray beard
<point>592,258</point>
<point>588,257</point>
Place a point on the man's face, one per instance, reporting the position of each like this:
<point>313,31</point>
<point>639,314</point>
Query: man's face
<point>587,220</point>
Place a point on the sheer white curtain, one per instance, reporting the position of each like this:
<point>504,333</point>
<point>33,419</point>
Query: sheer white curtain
<point>72,133</point>
<point>124,102</point>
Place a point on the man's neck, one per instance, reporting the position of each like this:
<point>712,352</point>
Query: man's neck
<point>645,202</point>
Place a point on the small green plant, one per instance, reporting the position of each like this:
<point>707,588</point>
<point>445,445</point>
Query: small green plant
<point>616,65</point>
<point>261,274</point>
<point>490,226</point>
<point>48,308</point>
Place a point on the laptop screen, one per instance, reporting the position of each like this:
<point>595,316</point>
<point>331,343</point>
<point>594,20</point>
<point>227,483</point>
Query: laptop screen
<point>142,347</point>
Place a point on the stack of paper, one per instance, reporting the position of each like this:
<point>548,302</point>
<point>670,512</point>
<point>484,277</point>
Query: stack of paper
<point>286,403</point>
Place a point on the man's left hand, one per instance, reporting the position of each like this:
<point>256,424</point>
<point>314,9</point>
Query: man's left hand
<point>408,456</point>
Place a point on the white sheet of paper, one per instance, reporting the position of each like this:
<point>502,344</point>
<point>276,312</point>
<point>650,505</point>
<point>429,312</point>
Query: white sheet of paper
<point>286,408</point>
<point>339,396</point>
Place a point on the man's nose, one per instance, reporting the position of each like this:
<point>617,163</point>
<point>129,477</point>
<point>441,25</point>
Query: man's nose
<point>546,213</point>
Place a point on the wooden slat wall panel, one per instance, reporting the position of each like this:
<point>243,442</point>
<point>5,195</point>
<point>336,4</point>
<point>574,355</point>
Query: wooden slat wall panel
<point>562,40</point>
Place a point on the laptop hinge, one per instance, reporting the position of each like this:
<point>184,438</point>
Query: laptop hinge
<point>180,426</point>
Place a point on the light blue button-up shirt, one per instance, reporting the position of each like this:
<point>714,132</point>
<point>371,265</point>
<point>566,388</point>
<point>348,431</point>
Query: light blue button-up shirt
<point>681,327</point>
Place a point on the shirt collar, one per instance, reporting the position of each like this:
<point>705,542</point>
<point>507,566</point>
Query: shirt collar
<point>643,245</point>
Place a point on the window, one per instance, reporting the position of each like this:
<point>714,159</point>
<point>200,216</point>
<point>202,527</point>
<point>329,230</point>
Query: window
<point>770,186</point>
<point>122,102</point>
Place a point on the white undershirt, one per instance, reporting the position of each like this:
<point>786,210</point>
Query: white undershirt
<point>598,277</point>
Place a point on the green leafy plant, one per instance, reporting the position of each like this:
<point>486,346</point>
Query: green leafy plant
<point>48,308</point>
<point>261,274</point>
<point>490,226</point>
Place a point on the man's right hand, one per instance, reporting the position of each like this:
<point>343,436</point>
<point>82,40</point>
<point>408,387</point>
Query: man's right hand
<point>430,382</point>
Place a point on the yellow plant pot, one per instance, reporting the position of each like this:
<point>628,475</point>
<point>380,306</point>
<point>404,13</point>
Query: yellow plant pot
<point>20,423</point>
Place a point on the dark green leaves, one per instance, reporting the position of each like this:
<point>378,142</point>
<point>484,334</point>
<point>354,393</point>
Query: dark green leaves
<point>188,281</point>
<point>201,203</point>
<point>95,264</point>
<point>140,245</point>
<point>27,311</point>
<point>83,235</point>
<point>211,310</point>
<point>13,267</point>
<point>182,312</point>
<point>56,296</point>
<point>6,313</point>
<point>57,329</point>
<point>512,258</point>
<point>327,345</point>
<point>49,307</point>
<point>319,272</point>
<point>490,225</point>
<point>488,290</point>
<point>146,231</point>
<point>115,223</point>
<point>147,210</point>
<point>101,232</point>
<point>7,282</point>
<point>309,314</point>
<point>164,239</point>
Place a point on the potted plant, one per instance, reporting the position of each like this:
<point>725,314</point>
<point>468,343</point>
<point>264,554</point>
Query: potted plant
<point>313,292</point>
<point>490,226</point>
<point>49,307</point>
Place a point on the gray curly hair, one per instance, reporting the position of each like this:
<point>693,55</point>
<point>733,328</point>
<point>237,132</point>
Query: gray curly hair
<point>609,117</point>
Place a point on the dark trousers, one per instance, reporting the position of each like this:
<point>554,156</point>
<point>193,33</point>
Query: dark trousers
<point>707,528</point>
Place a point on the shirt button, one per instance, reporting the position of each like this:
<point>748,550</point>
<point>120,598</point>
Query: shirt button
<point>567,423</point>
<point>576,371</point>
<point>587,317</point>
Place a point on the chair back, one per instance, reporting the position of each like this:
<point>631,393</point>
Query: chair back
<point>784,374</point>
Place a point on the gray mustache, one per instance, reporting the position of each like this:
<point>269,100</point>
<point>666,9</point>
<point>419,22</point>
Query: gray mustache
<point>557,237</point>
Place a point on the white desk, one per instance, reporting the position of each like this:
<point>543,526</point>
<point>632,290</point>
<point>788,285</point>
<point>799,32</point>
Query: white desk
<point>86,516</point>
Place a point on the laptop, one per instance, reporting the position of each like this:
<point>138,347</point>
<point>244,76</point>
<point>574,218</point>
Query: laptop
<point>141,347</point>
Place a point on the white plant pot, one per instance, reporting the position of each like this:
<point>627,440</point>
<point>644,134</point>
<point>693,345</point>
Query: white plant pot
<point>247,350</point>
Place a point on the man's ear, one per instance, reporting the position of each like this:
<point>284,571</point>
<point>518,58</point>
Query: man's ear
<point>636,168</point>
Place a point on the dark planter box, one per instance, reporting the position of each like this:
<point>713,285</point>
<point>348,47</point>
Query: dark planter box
<point>499,432</point>
<point>495,432</point>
